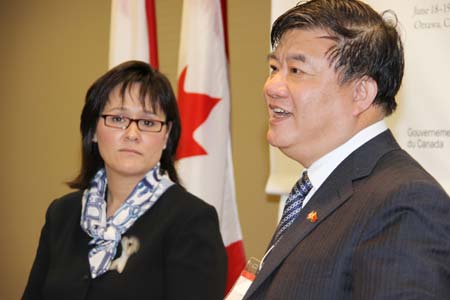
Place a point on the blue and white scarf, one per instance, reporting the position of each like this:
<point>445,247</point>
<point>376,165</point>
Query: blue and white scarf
<point>106,232</point>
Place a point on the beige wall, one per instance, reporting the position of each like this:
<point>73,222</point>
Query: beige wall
<point>50,52</point>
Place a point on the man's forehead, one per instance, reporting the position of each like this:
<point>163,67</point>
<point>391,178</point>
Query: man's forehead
<point>305,34</point>
<point>295,44</point>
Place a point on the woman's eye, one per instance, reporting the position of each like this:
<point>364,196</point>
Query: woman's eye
<point>148,123</point>
<point>118,119</point>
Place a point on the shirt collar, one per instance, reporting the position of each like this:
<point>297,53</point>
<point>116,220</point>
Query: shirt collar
<point>319,171</point>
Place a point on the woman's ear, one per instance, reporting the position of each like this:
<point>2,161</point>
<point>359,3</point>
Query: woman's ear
<point>364,94</point>
<point>166,137</point>
<point>94,138</point>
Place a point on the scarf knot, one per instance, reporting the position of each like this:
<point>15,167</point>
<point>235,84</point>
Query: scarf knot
<point>106,232</point>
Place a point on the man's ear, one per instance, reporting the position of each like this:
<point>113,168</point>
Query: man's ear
<point>365,91</point>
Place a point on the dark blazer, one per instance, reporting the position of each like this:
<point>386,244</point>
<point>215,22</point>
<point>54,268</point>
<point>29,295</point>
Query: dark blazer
<point>382,232</point>
<point>181,254</point>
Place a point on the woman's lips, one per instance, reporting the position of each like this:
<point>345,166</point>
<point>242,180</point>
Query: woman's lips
<point>130,151</point>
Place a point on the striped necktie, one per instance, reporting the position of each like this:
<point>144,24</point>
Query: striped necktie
<point>293,205</point>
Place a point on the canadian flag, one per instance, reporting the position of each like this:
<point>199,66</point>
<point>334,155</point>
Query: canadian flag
<point>204,154</point>
<point>133,32</point>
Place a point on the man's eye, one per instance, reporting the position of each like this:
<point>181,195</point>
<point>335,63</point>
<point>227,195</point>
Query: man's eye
<point>296,71</point>
<point>273,69</point>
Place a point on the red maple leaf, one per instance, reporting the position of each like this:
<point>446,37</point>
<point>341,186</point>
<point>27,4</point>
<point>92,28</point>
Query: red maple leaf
<point>194,110</point>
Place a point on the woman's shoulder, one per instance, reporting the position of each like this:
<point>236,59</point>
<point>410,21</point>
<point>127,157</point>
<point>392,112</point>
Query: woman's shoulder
<point>67,203</point>
<point>185,213</point>
<point>181,203</point>
<point>178,194</point>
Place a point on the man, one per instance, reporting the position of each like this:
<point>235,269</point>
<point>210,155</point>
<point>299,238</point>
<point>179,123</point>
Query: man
<point>373,224</point>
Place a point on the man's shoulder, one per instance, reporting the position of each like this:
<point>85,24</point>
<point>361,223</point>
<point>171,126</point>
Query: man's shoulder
<point>381,163</point>
<point>400,164</point>
<point>398,174</point>
<point>383,154</point>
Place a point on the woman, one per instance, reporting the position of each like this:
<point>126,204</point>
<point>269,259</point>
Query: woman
<point>131,231</point>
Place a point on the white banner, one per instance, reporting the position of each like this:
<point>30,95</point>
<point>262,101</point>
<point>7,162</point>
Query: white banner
<point>419,123</point>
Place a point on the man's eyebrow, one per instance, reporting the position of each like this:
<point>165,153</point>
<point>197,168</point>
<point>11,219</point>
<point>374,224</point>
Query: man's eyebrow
<point>272,56</point>
<point>299,57</point>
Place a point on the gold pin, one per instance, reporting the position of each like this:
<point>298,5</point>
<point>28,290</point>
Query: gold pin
<point>312,216</point>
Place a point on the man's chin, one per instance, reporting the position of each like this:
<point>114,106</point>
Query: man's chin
<point>274,140</point>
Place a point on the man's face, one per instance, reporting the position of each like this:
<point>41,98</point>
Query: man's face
<point>310,111</point>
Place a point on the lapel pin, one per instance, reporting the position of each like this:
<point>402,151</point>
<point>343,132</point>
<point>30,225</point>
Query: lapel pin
<point>130,245</point>
<point>312,216</point>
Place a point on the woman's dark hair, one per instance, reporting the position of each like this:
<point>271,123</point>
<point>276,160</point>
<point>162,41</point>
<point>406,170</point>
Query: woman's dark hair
<point>366,43</point>
<point>153,85</point>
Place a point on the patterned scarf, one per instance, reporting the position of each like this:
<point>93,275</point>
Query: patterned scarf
<point>106,232</point>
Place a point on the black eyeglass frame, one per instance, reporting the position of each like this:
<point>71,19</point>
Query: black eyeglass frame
<point>131,120</point>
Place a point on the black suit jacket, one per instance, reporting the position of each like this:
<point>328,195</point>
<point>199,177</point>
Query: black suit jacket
<point>181,254</point>
<point>383,232</point>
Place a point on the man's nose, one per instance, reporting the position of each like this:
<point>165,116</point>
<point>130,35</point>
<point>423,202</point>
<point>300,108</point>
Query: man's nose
<point>275,86</point>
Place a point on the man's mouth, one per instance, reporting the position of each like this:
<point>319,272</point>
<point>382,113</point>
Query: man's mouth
<point>279,112</point>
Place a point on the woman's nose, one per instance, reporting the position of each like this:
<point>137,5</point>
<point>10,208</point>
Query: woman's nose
<point>132,132</point>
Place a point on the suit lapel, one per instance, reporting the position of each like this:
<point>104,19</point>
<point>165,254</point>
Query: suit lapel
<point>324,202</point>
<point>337,189</point>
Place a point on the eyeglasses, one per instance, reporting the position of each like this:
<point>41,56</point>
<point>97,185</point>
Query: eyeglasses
<point>122,122</point>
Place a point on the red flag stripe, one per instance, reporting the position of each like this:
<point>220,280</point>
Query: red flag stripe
<point>236,263</point>
<point>223,5</point>
<point>152,35</point>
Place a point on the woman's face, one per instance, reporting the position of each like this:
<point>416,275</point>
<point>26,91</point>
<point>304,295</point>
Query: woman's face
<point>130,152</point>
